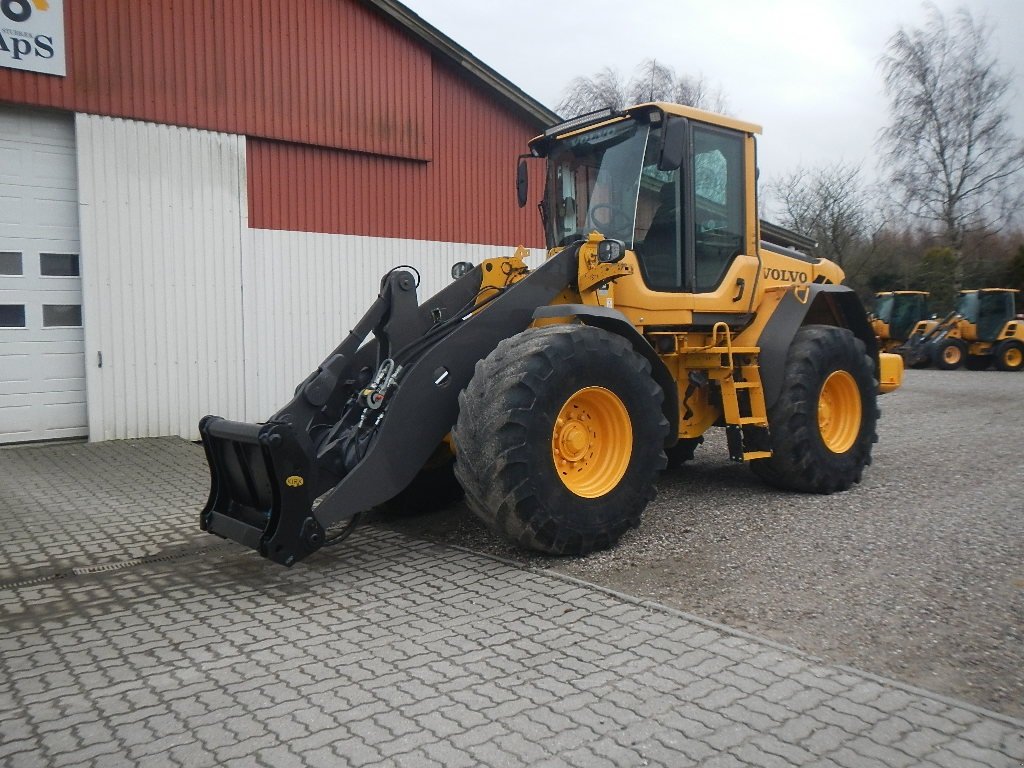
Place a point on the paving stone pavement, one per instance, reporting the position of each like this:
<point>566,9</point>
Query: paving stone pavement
<point>125,644</point>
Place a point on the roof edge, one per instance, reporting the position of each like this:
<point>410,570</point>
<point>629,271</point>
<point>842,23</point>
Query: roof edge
<point>444,45</point>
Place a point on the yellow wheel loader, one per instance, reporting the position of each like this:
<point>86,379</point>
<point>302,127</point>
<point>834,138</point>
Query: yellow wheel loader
<point>896,316</point>
<point>557,394</point>
<point>981,331</point>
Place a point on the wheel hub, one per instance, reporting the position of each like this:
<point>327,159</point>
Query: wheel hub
<point>591,442</point>
<point>574,440</point>
<point>839,411</point>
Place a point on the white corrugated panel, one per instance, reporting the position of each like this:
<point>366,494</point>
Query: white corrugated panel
<point>163,211</point>
<point>304,291</point>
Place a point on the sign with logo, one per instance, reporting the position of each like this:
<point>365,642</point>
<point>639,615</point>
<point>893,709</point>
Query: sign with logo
<point>32,35</point>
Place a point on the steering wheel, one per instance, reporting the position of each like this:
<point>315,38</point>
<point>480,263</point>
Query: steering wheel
<point>610,217</point>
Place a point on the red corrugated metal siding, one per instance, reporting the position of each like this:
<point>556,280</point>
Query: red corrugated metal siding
<point>327,72</point>
<point>465,194</point>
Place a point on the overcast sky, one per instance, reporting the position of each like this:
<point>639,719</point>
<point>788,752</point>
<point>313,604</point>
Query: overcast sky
<point>805,70</point>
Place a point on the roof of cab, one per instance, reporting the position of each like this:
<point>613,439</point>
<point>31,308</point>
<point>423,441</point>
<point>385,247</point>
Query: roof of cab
<point>700,115</point>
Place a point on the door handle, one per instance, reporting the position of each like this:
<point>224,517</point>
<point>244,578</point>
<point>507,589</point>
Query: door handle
<point>741,286</point>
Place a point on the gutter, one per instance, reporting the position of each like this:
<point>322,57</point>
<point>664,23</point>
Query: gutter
<point>444,45</point>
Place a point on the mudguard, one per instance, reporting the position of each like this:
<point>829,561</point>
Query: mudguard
<point>828,304</point>
<point>613,321</point>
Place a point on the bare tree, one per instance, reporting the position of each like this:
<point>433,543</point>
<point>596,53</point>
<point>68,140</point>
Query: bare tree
<point>652,81</point>
<point>586,94</point>
<point>951,157</point>
<point>832,205</point>
<point>696,92</point>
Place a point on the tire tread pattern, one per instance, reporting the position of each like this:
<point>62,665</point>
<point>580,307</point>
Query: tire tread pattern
<point>496,459</point>
<point>800,461</point>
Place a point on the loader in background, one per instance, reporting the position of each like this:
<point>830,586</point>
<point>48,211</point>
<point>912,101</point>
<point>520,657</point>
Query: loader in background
<point>896,315</point>
<point>981,331</point>
<point>557,394</point>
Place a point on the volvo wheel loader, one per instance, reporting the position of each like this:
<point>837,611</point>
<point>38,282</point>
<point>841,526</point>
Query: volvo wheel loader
<point>981,331</point>
<point>561,391</point>
<point>896,315</point>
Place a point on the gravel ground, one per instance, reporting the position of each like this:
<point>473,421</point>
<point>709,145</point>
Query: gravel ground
<point>915,574</point>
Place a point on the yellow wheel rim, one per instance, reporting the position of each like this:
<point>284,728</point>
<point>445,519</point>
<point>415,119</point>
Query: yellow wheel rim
<point>1013,357</point>
<point>951,354</point>
<point>839,411</point>
<point>592,442</point>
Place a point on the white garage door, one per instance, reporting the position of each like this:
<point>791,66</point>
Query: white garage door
<point>42,348</point>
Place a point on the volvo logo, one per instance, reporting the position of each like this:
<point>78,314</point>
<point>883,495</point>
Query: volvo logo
<point>785,275</point>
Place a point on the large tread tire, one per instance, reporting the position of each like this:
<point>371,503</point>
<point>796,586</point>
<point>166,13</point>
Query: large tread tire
<point>1008,355</point>
<point>949,354</point>
<point>503,438</point>
<point>801,460</point>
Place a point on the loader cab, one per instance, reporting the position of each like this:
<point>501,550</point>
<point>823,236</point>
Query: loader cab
<point>898,312</point>
<point>676,190</point>
<point>986,311</point>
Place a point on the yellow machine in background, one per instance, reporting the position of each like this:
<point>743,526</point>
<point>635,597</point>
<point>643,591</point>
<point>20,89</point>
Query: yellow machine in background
<point>664,309</point>
<point>981,331</point>
<point>896,315</point>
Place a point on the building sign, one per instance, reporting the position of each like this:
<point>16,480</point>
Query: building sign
<point>32,35</point>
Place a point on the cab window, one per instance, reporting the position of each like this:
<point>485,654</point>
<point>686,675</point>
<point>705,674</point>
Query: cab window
<point>718,193</point>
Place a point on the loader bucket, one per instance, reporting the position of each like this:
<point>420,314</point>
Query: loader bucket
<point>259,494</point>
<point>914,352</point>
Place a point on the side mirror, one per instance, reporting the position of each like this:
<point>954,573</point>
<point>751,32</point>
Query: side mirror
<point>461,268</point>
<point>522,182</point>
<point>610,251</point>
<point>673,144</point>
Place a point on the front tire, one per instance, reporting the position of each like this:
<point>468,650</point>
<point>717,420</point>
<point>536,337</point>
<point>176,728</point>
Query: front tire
<point>949,354</point>
<point>823,422</point>
<point>560,438</point>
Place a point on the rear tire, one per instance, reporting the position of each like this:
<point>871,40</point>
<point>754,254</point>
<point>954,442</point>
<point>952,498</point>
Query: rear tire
<point>560,438</point>
<point>1009,355</point>
<point>949,354</point>
<point>823,422</point>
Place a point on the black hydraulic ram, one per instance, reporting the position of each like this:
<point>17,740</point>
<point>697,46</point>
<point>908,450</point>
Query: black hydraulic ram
<point>363,424</point>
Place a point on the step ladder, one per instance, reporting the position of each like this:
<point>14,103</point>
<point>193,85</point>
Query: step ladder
<point>743,404</point>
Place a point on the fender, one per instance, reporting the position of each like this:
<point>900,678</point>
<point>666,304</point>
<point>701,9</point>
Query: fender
<point>827,304</point>
<point>613,321</point>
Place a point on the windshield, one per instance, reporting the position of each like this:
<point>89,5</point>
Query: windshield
<point>883,309</point>
<point>967,306</point>
<point>593,182</point>
<point>907,309</point>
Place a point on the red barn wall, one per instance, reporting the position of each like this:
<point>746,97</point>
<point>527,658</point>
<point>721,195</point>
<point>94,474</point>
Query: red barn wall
<point>355,126</point>
<point>466,193</point>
